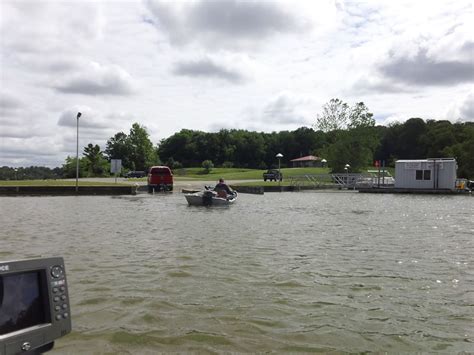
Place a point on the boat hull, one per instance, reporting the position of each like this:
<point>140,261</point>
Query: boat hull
<point>198,199</point>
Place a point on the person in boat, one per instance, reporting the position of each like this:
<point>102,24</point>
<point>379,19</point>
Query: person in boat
<point>222,189</point>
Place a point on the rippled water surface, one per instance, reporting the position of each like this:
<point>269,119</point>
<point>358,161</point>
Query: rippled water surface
<point>286,272</point>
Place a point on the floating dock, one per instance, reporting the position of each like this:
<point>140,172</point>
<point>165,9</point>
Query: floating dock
<point>66,190</point>
<point>392,190</point>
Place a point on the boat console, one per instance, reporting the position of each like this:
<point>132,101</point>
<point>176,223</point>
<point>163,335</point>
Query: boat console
<point>34,305</point>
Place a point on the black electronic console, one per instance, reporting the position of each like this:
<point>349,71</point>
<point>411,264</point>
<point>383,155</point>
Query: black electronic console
<point>34,305</point>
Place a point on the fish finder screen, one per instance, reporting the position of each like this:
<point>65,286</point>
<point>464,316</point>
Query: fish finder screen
<point>21,302</point>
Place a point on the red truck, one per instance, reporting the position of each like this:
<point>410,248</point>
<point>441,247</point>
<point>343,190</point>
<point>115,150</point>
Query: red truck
<point>160,178</point>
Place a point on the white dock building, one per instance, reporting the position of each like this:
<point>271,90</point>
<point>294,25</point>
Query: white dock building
<point>435,173</point>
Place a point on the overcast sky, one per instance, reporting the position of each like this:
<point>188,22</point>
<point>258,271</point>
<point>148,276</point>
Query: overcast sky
<point>207,65</point>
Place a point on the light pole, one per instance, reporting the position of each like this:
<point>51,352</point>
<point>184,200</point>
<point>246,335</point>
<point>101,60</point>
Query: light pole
<point>346,168</point>
<point>279,156</point>
<point>16,173</point>
<point>77,152</point>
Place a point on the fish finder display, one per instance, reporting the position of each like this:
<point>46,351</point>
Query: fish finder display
<point>21,302</point>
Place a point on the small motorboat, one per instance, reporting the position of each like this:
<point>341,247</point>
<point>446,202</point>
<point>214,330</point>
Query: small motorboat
<point>209,197</point>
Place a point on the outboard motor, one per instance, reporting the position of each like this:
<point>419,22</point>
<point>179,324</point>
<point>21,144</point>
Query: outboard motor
<point>207,197</point>
<point>470,185</point>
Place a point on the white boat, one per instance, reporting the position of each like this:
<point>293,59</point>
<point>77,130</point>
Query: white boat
<point>210,198</point>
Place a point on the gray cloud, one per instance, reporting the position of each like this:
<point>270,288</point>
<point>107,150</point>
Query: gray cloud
<point>468,48</point>
<point>404,74</point>
<point>207,68</point>
<point>238,18</point>
<point>95,79</point>
<point>9,102</point>
<point>422,70</point>
<point>10,131</point>
<point>27,150</point>
<point>88,87</point>
<point>368,85</point>
<point>228,23</point>
<point>9,105</point>
<point>88,119</point>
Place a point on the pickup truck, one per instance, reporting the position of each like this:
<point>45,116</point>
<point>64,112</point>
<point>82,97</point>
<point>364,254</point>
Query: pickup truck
<point>160,178</point>
<point>272,174</point>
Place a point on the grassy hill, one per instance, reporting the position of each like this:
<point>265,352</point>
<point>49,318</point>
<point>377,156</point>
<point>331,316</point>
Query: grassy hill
<point>240,174</point>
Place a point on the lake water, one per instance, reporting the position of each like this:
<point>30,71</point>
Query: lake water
<point>288,272</point>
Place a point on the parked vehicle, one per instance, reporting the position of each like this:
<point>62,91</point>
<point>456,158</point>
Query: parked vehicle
<point>272,174</point>
<point>160,178</point>
<point>135,174</point>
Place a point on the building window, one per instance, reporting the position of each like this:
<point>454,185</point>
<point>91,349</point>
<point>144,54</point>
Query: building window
<point>426,174</point>
<point>419,175</point>
<point>423,175</point>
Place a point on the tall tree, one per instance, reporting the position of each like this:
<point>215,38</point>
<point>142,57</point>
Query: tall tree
<point>135,150</point>
<point>96,163</point>
<point>69,167</point>
<point>335,116</point>
<point>409,142</point>
<point>142,153</point>
<point>354,138</point>
<point>118,148</point>
<point>360,117</point>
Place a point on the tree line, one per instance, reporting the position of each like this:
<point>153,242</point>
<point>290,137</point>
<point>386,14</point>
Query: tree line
<point>342,134</point>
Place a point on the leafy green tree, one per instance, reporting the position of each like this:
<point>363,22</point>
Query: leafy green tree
<point>463,151</point>
<point>353,138</point>
<point>353,148</point>
<point>136,149</point>
<point>335,116</point>
<point>180,146</point>
<point>96,164</point>
<point>173,164</point>
<point>69,167</point>
<point>142,152</point>
<point>208,165</point>
<point>30,173</point>
<point>409,142</point>
<point>360,117</point>
<point>118,147</point>
<point>438,136</point>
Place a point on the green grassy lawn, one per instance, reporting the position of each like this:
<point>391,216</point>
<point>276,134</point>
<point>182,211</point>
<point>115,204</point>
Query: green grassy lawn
<point>216,173</point>
<point>241,174</point>
<point>55,183</point>
<point>189,174</point>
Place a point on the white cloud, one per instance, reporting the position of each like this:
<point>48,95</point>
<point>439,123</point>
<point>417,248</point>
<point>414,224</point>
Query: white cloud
<point>462,109</point>
<point>284,111</point>
<point>412,51</point>
<point>287,108</point>
<point>49,27</point>
<point>257,65</point>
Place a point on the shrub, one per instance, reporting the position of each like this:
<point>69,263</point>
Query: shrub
<point>208,165</point>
